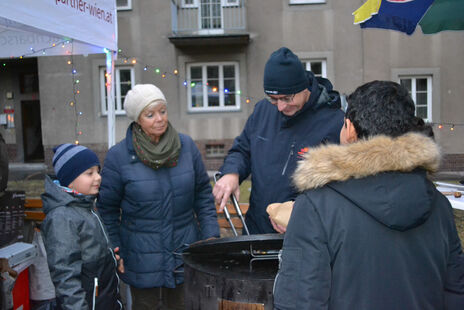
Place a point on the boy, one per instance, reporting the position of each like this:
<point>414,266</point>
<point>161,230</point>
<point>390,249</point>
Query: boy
<point>82,264</point>
<point>369,230</point>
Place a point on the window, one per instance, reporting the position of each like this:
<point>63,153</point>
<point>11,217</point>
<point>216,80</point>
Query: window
<point>194,3</point>
<point>189,3</point>
<point>123,81</point>
<point>124,4</point>
<point>316,66</point>
<point>230,3</point>
<point>210,14</point>
<point>306,1</point>
<point>215,150</point>
<point>420,89</point>
<point>213,87</point>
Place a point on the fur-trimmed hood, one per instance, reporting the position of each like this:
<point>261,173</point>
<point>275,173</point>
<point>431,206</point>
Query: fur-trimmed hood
<point>330,163</point>
<point>383,176</point>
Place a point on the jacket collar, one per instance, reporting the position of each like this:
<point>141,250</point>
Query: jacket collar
<point>330,163</point>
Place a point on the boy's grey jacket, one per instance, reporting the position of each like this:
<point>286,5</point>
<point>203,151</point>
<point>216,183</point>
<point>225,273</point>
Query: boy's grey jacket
<point>78,251</point>
<point>370,231</point>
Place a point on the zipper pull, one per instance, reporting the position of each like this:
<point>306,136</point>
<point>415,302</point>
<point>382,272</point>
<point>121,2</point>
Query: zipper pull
<point>96,286</point>
<point>289,157</point>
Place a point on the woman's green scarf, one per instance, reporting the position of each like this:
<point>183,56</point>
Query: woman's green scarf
<point>156,155</point>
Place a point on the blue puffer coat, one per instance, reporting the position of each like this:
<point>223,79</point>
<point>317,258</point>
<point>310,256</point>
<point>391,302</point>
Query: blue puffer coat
<point>271,144</point>
<point>152,215</point>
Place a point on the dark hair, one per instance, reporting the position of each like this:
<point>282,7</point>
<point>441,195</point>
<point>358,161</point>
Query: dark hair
<point>381,108</point>
<point>423,127</point>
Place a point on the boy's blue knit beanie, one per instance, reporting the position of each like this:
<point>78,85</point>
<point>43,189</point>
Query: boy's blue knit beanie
<point>284,74</point>
<point>71,160</point>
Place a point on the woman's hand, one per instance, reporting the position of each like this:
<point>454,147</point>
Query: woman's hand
<point>119,260</point>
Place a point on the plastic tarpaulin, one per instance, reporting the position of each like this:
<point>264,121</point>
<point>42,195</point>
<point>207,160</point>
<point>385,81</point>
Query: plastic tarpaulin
<point>30,27</point>
<point>26,24</point>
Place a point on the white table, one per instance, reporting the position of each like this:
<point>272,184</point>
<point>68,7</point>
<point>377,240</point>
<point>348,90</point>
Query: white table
<point>456,203</point>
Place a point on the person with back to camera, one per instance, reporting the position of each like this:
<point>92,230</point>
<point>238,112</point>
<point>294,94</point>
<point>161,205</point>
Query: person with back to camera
<point>369,229</point>
<point>81,262</point>
<point>300,112</point>
<point>155,200</point>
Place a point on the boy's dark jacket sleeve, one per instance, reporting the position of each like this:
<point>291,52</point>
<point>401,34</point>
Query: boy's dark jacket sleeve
<point>454,285</point>
<point>64,260</point>
<point>304,278</point>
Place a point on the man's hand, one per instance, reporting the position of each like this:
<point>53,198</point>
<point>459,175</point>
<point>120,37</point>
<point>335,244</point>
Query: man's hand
<point>279,228</point>
<point>223,188</point>
<point>119,260</point>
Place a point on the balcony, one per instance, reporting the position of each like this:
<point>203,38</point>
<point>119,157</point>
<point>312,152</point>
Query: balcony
<point>208,22</point>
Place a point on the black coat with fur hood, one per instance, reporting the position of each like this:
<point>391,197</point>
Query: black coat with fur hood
<point>370,231</point>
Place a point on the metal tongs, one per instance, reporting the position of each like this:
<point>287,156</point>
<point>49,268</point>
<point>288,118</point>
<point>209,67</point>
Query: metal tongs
<point>217,176</point>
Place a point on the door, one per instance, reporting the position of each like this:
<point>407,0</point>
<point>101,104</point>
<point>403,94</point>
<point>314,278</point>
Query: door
<point>32,131</point>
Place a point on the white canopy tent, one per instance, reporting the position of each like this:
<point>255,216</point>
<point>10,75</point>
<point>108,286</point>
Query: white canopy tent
<point>30,28</point>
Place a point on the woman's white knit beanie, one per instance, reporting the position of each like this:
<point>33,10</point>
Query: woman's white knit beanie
<point>139,97</point>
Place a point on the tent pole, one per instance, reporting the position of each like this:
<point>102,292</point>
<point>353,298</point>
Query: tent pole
<point>110,55</point>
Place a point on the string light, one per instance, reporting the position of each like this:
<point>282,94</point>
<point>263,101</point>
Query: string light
<point>175,72</point>
<point>452,126</point>
<point>73,103</point>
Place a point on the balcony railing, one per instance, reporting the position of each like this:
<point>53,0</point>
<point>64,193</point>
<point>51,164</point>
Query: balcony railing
<point>208,17</point>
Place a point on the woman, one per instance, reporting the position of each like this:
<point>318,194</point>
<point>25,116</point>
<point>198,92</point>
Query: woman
<point>155,199</point>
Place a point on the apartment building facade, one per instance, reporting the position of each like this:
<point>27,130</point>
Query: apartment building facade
<point>208,57</point>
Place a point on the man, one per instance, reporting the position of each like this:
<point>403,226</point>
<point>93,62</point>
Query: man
<point>370,231</point>
<point>300,112</point>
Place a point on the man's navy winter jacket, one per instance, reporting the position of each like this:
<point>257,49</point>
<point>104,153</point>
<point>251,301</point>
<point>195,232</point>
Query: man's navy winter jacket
<point>152,215</point>
<point>272,143</point>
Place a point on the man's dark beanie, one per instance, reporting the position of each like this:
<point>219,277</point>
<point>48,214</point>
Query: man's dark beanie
<point>284,74</point>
